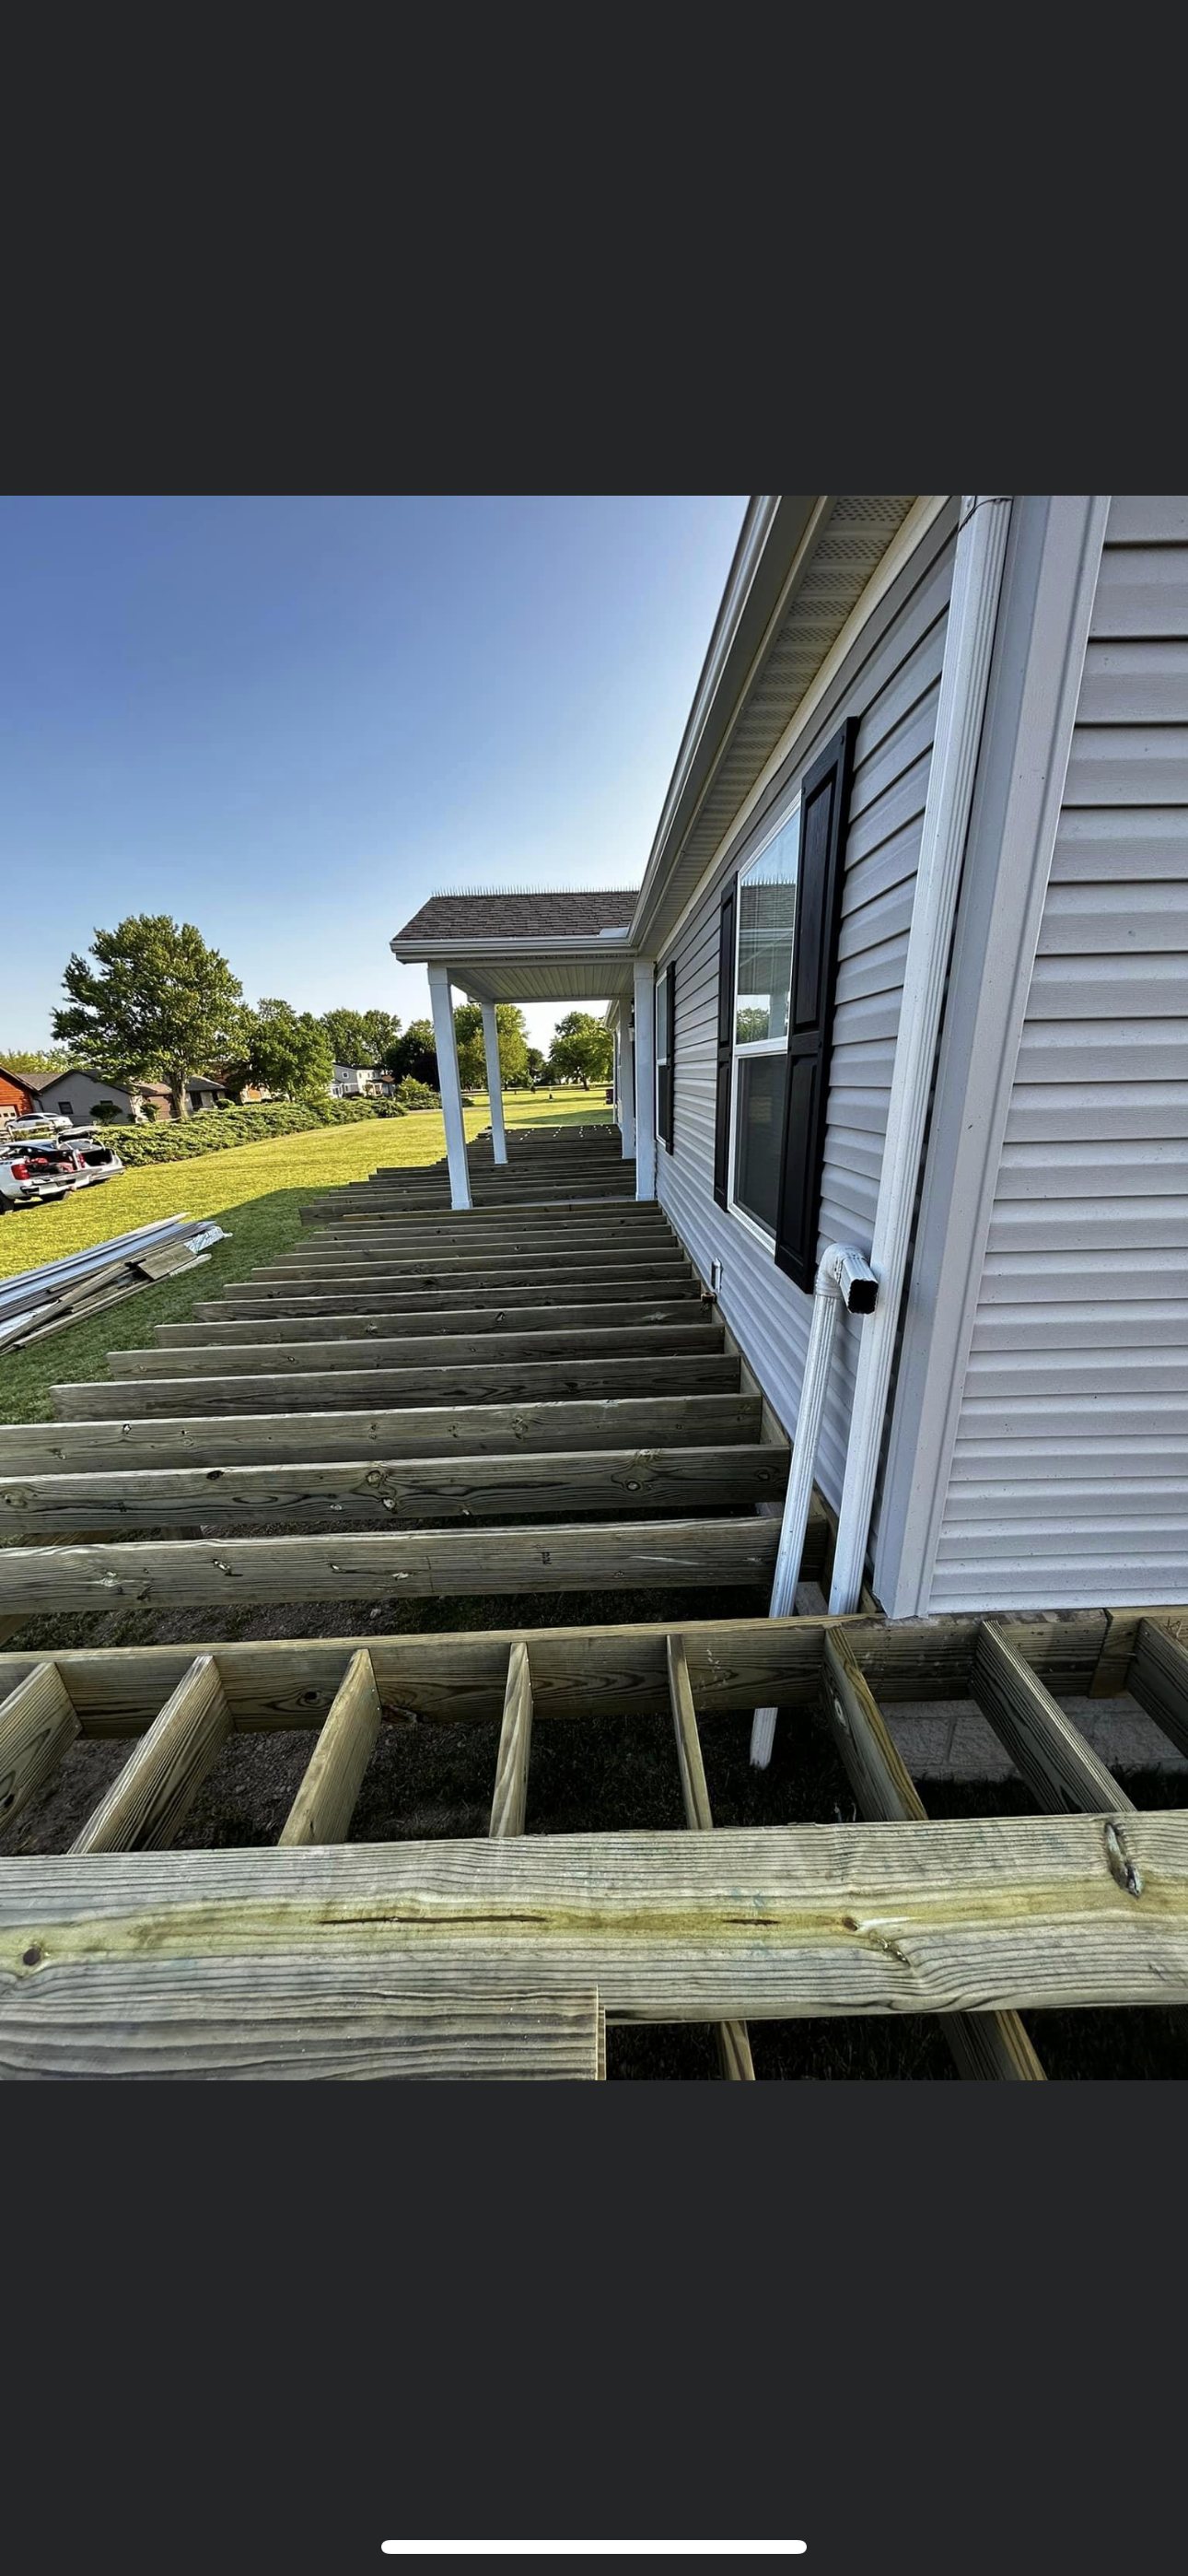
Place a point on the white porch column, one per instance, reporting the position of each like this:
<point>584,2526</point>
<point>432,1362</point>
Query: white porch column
<point>626,1082</point>
<point>446,1045</point>
<point>645,1079</point>
<point>494,1086</point>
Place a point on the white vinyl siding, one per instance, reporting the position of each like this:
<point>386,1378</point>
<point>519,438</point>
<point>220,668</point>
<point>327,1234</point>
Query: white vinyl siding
<point>892,685</point>
<point>1069,1480</point>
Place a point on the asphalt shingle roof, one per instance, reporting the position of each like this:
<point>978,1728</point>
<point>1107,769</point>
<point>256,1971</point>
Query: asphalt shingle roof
<point>520,916</point>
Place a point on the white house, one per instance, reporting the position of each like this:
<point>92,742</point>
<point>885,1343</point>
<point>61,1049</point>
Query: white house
<point>907,973</point>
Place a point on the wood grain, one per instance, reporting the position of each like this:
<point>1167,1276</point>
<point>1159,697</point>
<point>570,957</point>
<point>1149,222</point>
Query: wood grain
<point>1061,1769</point>
<point>998,1914</point>
<point>420,1351</point>
<point>152,1796</point>
<point>390,1565</point>
<point>373,1493</point>
<point>276,2019</point>
<point>983,2045</point>
<point>334,1390</point>
<point>379,1432</point>
<point>212,1326</point>
<point>732,2037</point>
<point>515,1737</point>
<point>1159,1680</point>
<point>325,1802</point>
<point>37,1728</point>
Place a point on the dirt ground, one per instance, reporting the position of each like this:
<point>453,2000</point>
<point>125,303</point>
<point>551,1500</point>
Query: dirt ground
<point>432,1781</point>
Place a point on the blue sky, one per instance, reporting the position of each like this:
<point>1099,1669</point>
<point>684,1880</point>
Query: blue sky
<point>290,720</point>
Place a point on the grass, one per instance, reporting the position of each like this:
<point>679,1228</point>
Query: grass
<point>256,1191</point>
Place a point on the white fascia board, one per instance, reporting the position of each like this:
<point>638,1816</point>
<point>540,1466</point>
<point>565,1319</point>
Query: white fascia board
<point>920,518</point>
<point>722,682</point>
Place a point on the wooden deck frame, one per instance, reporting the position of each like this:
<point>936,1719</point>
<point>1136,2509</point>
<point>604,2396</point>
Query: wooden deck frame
<point>147,1962</point>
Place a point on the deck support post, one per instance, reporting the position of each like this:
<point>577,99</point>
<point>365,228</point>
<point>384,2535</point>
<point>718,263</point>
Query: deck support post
<point>446,1045</point>
<point>625,1090</point>
<point>645,1079</point>
<point>494,1084</point>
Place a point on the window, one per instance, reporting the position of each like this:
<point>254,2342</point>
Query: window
<point>764,935</point>
<point>64,1109</point>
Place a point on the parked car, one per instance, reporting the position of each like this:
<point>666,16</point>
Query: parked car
<point>45,1158</point>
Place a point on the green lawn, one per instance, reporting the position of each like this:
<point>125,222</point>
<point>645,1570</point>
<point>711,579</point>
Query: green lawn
<point>256,1191</point>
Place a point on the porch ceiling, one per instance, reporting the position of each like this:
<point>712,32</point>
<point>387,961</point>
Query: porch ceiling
<point>531,971</point>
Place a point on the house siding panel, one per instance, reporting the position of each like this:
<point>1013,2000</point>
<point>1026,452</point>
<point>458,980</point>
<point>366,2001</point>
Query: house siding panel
<point>892,687</point>
<point>1069,1480</point>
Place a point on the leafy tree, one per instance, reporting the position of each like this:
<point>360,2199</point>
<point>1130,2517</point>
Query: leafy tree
<point>513,1044</point>
<point>414,1054</point>
<point>536,1065</point>
<point>285,1051</point>
<point>360,1037</point>
<point>36,1062</point>
<point>157,1003</point>
<point>583,1049</point>
<point>382,1033</point>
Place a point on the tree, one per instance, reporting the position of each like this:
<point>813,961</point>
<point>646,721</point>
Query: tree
<point>414,1054</point>
<point>382,1032</point>
<point>360,1037</point>
<point>536,1065</point>
<point>37,1063</point>
<point>160,1005</point>
<point>513,1044</point>
<point>583,1049</point>
<point>285,1051</point>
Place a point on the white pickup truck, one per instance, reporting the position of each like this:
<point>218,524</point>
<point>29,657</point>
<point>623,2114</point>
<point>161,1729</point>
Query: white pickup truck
<point>44,1158</point>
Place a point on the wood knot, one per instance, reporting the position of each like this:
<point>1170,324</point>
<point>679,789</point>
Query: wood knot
<point>1121,1867</point>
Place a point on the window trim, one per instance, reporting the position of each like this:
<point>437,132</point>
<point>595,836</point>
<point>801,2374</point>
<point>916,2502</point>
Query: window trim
<point>776,823</point>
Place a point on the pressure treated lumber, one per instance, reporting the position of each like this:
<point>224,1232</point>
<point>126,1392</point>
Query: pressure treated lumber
<point>325,1802</point>
<point>515,1268</point>
<point>991,2045</point>
<point>278,2019</point>
<point>243,1304</point>
<point>412,1431</point>
<point>331,1390</point>
<point>515,1737</point>
<point>614,1670</point>
<point>991,1914</point>
<point>152,1796</point>
<point>419,1351</point>
<point>1158,1680</point>
<point>1061,1769</point>
<point>211,1329</point>
<point>372,1494</point>
<point>37,1728</point>
<point>390,1565</point>
<point>733,2040</point>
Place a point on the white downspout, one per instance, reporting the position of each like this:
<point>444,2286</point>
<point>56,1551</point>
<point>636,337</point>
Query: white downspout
<point>973,609</point>
<point>446,1047</point>
<point>843,1282</point>
<point>494,1084</point>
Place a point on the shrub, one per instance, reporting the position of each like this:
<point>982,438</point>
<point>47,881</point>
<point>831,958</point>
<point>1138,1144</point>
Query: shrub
<point>218,1128</point>
<point>412,1094</point>
<point>105,1112</point>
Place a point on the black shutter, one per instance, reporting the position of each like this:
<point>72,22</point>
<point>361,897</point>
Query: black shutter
<point>824,804</point>
<point>668,1071</point>
<point>725,1040</point>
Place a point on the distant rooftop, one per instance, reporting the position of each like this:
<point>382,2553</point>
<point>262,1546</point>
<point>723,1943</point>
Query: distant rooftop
<point>519,916</point>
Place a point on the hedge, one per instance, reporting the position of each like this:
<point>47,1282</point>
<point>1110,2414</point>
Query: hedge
<point>212,1130</point>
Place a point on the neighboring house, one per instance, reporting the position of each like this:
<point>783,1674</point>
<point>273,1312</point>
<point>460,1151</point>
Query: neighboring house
<point>938,754</point>
<point>355,1081</point>
<point>78,1093</point>
<point>16,1098</point>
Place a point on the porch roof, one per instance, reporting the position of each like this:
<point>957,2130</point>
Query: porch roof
<point>526,947</point>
